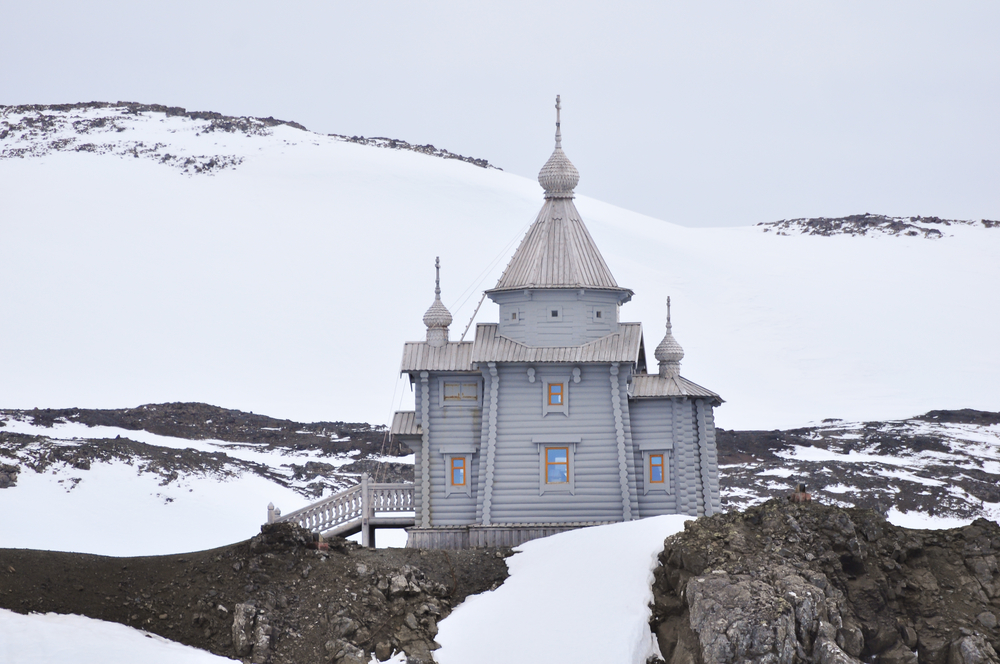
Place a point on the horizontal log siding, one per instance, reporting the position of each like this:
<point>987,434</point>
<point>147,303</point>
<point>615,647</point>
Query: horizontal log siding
<point>449,426</point>
<point>535,326</point>
<point>516,484</point>
<point>652,422</point>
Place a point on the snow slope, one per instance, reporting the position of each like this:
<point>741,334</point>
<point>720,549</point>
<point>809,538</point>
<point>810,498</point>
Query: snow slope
<point>286,279</point>
<point>51,637</point>
<point>581,597</point>
<point>142,505</point>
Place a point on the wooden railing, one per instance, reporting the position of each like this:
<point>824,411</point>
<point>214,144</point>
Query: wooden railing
<point>352,510</point>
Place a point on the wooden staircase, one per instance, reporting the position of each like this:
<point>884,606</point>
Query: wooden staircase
<point>362,508</point>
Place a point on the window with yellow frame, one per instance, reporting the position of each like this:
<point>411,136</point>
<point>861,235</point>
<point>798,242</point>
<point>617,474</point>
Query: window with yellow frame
<point>557,465</point>
<point>555,395</point>
<point>457,471</point>
<point>656,467</point>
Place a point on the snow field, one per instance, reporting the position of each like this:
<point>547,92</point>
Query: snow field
<point>288,284</point>
<point>581,596</point>
<point>51,637</point>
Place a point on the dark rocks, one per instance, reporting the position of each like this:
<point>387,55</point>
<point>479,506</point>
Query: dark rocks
<point>8,475</point>
<point>759,465</point>
<point>864,224</point>
<point>283,536</point>
<point>786,583</point>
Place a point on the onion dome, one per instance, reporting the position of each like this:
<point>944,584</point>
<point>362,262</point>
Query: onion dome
<point>438,318</point>
<point>669,353</point>
<point>558,176</point>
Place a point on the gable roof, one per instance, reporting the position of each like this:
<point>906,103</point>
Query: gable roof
<point>404,423</point>
<point>421,356</point>
<point>557,252</point>
<point>654,386</point>
<point>623,346</point>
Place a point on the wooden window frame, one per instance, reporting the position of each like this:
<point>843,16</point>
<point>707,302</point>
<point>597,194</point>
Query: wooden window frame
<point>549,464</point>
<point>653,465</point>
<point>649,450</point>
<point>556,393</point>
<point>546,443</point>
<point>450,453</point>
<point>548,408</point>
<point>458,463</point>
<point>549,309</point>
<point>467,379</point>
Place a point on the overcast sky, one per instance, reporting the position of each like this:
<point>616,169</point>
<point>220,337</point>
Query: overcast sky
<point>699,113</point>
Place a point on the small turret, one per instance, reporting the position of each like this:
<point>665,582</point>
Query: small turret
<point>438,318</point>
<point>669,353</point>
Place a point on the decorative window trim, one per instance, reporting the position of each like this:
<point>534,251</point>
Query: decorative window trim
<point>464,380</point>
<point>648,450</point>
<point>451,489</point>
<point>544,443</point>
<point>546,407</point>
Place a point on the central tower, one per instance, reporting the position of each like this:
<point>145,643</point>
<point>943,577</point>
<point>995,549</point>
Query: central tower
<point>557,290</point>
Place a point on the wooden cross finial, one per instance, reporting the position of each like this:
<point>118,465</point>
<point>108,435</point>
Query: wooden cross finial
<point>437,277</point>
<point>558,131</point>
<point>668,312</point>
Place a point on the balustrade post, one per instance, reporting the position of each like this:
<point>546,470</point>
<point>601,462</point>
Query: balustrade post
<point>366,534</point>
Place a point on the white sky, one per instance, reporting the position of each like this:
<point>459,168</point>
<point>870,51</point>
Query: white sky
<point>715,113</point>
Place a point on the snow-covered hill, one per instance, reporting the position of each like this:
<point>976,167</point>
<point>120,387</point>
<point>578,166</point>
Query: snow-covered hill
<point>154,256</point>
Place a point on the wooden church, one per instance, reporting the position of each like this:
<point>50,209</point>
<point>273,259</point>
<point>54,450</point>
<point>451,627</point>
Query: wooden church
<point>549,420</point>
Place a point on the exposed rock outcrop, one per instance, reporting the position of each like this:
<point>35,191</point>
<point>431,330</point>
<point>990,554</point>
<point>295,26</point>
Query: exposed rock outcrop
<point>270,600</point>
<point>784,583</point>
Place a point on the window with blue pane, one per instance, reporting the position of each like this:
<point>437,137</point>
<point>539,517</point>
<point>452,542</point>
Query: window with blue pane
<point>557,465</point>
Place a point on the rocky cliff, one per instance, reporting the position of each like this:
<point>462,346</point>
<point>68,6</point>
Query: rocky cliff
<point>783,583</point>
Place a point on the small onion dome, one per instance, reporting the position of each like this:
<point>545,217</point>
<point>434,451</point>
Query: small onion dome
<point>438,318</point>
<point>438,315</point>
<point>669,353</point>
<point>558,176</point>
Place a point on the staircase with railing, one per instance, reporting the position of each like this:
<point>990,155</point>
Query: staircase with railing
<point>361,508</point>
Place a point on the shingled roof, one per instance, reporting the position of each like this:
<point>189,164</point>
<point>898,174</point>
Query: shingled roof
<point>557,252</point>
<point>623,346</point>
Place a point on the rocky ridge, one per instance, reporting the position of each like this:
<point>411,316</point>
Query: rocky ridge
<point>310,458</point>
<point>35,130</point>
<point>871,224</point>
<point>942,463</point>
<point>783,583</point>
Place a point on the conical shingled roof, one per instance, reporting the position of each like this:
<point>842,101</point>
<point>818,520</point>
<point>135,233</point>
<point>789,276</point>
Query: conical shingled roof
<point>558,251</point>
